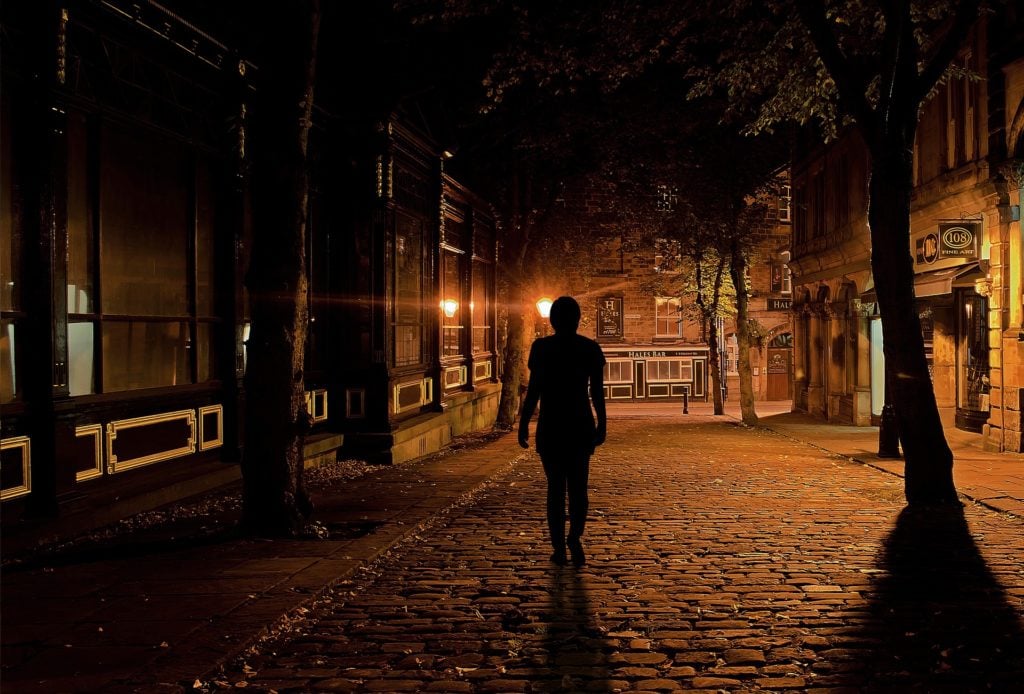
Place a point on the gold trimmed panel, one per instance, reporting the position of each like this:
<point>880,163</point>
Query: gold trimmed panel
<point>482,370</point>
<point>454,377</point>
<point>25,487</point>
<point>96,432</point>
<point>217,440</point>
<point>115,465</point>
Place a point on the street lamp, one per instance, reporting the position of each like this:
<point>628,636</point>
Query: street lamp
<point>544,307</point>
<point>449,306</point>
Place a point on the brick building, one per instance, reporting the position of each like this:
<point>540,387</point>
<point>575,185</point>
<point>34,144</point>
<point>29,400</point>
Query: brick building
<point>633,292</point>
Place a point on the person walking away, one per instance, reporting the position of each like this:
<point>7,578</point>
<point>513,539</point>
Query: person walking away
<point>566,376</point>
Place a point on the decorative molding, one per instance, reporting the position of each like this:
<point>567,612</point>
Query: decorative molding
<point>482,370</point>
<point>352,396</point>
<point>455,377</point>
<point>96,432</point>
<point>217,440</point>
<point>25,487</point>
<point>115,465</point>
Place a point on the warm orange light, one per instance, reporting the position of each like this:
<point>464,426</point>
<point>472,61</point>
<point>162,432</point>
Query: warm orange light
<point>449,306</point>
<point>544,307</point>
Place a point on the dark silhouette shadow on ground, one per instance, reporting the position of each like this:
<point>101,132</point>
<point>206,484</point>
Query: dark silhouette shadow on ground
<point>574,647</point>
<point>939,620</point>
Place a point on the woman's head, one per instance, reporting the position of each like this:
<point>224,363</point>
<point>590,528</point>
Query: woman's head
<point>565,315</point>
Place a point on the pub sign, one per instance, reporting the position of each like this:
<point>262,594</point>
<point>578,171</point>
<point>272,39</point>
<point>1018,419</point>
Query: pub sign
<point>609,316</point>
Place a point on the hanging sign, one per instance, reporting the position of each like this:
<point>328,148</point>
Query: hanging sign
<point>609,316</point>
<point>959,239</point>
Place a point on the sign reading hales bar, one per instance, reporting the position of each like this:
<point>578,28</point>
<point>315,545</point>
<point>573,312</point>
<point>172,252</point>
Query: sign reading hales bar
<point>953,240</point>
<point>609,316</point>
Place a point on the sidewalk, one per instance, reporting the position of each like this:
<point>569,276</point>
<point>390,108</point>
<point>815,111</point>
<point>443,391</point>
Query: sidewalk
<point>153,616</point>
<point>993,479</point>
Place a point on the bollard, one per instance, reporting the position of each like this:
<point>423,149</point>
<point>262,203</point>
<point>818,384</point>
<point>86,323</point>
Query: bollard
<point>686,402</point>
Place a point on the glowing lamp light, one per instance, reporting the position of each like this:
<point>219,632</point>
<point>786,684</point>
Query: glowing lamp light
<point>544,307</point>
<point>449,306</point>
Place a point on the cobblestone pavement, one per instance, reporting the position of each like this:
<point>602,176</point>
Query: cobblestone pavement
<point>721,558</point>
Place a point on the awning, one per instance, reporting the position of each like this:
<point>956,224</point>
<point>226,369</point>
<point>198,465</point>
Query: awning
<point>937,282</point>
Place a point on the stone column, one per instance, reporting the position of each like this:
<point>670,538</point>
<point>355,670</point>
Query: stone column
<point>834,352</point>
<point>815,386</point>
<point>862,381</point>
<point>799,358</point>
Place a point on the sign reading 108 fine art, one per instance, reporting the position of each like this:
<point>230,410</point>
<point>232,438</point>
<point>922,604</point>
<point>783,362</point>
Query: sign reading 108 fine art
<point>952,240</point>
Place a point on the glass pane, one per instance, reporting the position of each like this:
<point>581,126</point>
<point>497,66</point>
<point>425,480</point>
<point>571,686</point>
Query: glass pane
<point>451,338</point>
<point>141,354</point>
<point>408,269</point>
<point>407,344</point>
<point>145,225</point>
<point>206,353</point>
<point>10,233</point>
<point>8,376</point>
<point>205,211</point>
<point>481,307</point>
<point>81,272</point>
<point>451,289</point>
<point>81,366</point>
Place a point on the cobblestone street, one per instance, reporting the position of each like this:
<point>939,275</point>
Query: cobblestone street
<point>719,558</point>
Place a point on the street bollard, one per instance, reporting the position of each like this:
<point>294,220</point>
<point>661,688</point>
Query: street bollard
<point>686,402</point>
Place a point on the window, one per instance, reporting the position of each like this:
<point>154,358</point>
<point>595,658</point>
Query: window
<point>10,264</point>
<point>667,317</point>
<point>782,279</point>
<point>784,204</point>
<point>451,303</point>
<point>140,286</point>
<point>732,355</point>
<point>483,274</point>
<point>666,199</point>
<point>618,371</point>
<point>669,370</point>
<point>408,290</point>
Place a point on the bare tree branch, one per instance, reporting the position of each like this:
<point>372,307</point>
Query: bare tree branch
<point>967,13</point>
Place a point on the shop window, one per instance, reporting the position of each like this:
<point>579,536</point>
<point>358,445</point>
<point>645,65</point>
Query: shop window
<point>140,287</point>
<point>974,362</point>
<point>668,320</point>
<point>618,371</point>
<point>10,264</point>
<point>669,370</point>
<point>408,348</point>
<point>481,306</point>
<point>451,304</point>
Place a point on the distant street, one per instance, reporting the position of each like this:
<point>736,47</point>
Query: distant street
<point>720,558</point>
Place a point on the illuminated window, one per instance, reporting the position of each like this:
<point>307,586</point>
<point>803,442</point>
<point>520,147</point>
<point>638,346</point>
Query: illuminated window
<point>618,371</point>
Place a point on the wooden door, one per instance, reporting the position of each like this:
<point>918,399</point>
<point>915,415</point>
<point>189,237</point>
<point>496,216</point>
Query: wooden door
<point>780,373</point>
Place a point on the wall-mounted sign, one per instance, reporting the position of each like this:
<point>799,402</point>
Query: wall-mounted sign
<point>952,240</point>
<point>780,304</point>
<point>609,316</point>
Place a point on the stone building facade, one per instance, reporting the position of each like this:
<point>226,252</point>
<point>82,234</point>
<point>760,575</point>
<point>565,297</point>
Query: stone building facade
<point>966,246</point>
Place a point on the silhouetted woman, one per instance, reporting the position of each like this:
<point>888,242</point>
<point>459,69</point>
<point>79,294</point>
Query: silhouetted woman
<point>566,374</point>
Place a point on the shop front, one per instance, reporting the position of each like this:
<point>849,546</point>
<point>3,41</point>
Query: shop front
<point>654,373</point>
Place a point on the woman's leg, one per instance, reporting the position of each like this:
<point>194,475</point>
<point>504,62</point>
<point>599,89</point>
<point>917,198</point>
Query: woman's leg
<point>556,502</point>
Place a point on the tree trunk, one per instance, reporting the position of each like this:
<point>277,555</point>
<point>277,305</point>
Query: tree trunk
<point>737,271</point>
<point>275,502</point>
<point>927,458</point>
<point>716,367</point>
<point>514,355</point>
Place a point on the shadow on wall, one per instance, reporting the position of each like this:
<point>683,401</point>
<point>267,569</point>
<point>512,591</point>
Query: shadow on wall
<point>939,620</point>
